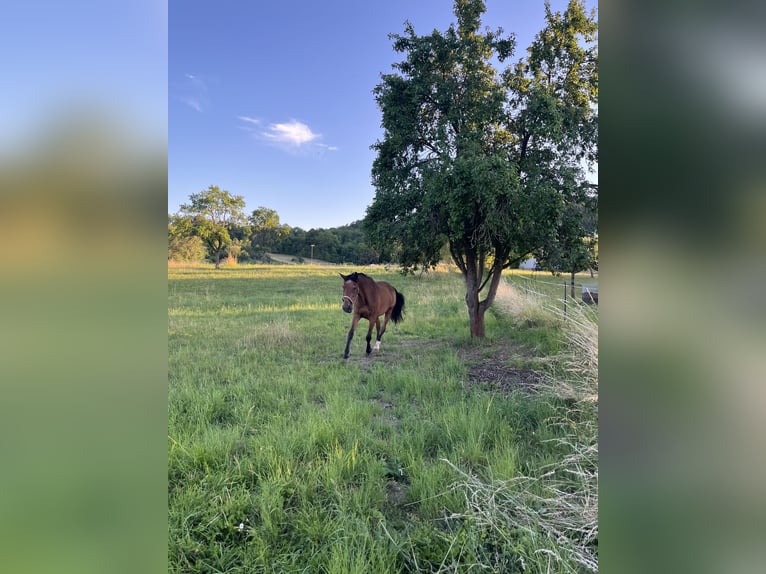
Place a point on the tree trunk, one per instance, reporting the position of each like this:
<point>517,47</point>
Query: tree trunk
<point>218,259</point>
<point>475,308</point>
<point>475,316</point>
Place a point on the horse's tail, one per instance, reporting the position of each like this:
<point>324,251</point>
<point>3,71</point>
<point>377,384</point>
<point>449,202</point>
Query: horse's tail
<point>398,312</point>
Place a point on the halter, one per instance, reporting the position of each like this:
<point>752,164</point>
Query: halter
<point>353,301</point>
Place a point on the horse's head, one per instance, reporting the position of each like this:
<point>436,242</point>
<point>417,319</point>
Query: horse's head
<point>350,291</point>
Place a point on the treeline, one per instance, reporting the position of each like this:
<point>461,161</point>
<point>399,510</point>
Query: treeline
<point>345,244</point>
<point>214,227</point>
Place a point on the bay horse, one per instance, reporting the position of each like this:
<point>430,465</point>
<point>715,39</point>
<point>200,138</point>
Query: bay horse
<point>369,299</point>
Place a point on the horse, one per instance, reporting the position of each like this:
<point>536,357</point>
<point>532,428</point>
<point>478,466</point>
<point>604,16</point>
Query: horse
<point>369,299</point>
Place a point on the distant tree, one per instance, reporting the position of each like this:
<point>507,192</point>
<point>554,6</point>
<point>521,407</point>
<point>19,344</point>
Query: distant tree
<point>211,214</point>
<point>234,250</point>
<point>186,249</point>
<point>353,245</point>
<point>573,248</point>
<point>326,244</point>
<point>265,231</point>
<point>293,243</point>
<point>181,245</point>
<point>480,160</point>
<point>344,244</point>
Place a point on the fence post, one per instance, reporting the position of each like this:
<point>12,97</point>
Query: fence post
<point>565,299</point>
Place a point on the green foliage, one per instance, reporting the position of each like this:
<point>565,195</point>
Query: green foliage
<point>262,233</point>
<point>234,249</point>
<point>189,248</point>
<point>483,160</point>
<point>210,216</point>
<point>574,246</point>
<point>182,245</point>
<point>345,244</point>
<point>265,231</point>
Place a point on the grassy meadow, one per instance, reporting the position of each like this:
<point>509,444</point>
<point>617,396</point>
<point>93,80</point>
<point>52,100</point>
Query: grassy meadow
<point>437,454</point>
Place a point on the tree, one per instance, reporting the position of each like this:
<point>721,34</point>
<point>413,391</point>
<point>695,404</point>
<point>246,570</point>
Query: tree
<point>265,231</point>
<point>181,245</point>
<point>233,250</point>
<point>353,245</point>
<point>326,244</point>
<point>294,243</point>
<point>574,247</point>
<point>344,244</point>
<point>211,214</point>
<point>480,160</point>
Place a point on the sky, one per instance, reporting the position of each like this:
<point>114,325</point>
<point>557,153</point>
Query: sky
<point>273,100</point>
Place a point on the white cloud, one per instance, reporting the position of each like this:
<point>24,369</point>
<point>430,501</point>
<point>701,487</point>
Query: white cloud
<point>292,136</point>
<point>293,133</point>
<point>250,120</point>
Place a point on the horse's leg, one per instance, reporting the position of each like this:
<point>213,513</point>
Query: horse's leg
<point>369,335</point>
<point>354,321</point>
<point>383,329</point>
<point>377,334</point>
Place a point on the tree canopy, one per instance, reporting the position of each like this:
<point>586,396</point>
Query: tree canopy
<point>483,160</point>
<point>210,216</point>
<point>265,232</point>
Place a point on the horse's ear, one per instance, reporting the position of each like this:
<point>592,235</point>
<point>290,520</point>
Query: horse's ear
<point>342,276</point>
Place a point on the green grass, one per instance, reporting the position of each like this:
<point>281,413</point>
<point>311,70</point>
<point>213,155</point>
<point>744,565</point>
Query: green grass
<point>283,457</point>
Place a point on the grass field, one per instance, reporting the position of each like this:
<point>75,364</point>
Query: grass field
<point>438,454</point>
<point>284,259</point>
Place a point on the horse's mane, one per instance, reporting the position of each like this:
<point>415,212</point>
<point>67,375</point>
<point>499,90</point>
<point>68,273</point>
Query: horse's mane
<point>356,275</point>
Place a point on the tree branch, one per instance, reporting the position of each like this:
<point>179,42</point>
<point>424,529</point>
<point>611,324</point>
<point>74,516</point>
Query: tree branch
<point>496,274</point>
<point>489,276</point>
<point>457,258</point>
<point>523,150</point>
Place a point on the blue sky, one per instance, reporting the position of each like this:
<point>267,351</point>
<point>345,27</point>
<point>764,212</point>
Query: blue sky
<point>273,100</point>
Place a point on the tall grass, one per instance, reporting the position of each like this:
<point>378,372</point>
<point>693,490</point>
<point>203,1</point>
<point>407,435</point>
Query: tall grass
<point>525,307</point>
<point>549,514</point>
<point>578,378</point>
